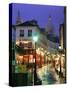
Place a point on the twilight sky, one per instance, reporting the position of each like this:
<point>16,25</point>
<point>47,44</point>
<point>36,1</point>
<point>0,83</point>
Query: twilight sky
<point>39,13</point>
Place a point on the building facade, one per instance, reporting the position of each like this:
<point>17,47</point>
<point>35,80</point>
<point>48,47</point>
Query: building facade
<point>25,45</point>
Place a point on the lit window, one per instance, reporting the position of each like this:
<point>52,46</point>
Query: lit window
<point>30,45</point>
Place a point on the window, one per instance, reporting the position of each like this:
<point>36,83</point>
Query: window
<point>29,33</point>
<point>21,33</point>
<point>26,45</point>
<point>30,45</point>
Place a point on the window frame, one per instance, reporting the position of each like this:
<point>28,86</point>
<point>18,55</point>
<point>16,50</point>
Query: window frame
<point>29,31</point>
<point>21,33</point>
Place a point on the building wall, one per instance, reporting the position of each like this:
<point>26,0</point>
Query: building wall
<point>61,40</point>
<point>53,44</point>
<point>43,41</point>
<point>61,36</point>
<point>34,31</point>
<point>64,33</point>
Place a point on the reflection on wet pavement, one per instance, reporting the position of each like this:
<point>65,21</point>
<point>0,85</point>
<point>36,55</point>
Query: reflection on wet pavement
<point>48,75</point>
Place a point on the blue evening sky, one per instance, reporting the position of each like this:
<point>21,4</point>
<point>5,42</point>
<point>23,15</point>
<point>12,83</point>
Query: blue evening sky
<point>39,13</point>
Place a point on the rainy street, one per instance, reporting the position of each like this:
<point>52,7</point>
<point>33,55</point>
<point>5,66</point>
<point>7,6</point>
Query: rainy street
<point>39,46</point>
<point>48,75</point>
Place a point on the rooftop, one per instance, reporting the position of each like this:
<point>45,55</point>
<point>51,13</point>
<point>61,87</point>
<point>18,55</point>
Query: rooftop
<point>28,23</point>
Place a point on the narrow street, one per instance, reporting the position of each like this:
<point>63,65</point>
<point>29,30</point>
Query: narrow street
<point>48,75</point>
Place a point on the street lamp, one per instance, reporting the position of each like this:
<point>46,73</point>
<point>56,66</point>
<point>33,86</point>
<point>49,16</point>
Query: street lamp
<point>35,39</point>
<point>60,51</point>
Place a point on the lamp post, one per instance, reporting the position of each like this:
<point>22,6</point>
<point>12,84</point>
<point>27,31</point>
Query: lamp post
<point>35,39</point>
<point>60,51</point>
